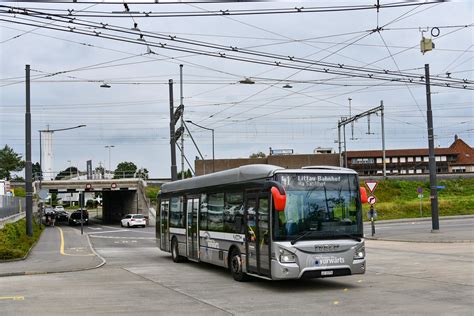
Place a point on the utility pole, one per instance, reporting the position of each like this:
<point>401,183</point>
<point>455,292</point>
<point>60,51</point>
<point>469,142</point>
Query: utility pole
<point>345,148</point>
<point>174,175</point>
<point>182,118</point>
<point>28,167</point>
<point>339,141</point>
<point>383,141</point>
<point>432,161</point>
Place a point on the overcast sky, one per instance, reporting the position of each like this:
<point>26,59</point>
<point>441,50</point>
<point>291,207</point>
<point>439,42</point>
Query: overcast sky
<point>133,115</point>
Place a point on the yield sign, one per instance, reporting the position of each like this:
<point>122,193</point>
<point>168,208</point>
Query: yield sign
<point>371,185</point>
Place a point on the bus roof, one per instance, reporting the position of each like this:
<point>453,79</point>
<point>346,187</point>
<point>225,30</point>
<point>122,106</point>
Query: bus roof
<point>242,174</point>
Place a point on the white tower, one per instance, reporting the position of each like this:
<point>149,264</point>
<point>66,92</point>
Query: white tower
<point>47,155</point>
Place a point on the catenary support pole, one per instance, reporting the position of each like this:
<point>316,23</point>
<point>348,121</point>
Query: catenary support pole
<point>432,161</point>
<point>384,163</point>
<point>182,118</point>
<point>345,148</point>
<point>339,141</point>
<point>174,173</point>
<point>194,142</point>
<point>28,167</point>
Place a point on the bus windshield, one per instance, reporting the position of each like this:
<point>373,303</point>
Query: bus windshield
<point>318,206</point>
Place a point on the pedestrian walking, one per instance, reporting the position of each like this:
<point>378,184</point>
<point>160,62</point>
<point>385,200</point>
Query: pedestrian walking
<point>53,219</point>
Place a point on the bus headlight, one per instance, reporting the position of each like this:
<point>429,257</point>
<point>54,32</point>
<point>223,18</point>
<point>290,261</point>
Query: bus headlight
<point>287,257</point>
<point>359,252</point>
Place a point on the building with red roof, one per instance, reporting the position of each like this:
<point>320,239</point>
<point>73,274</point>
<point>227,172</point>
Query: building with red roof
<point>457,158</point>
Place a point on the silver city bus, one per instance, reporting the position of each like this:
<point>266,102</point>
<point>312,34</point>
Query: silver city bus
<point>266,221</point>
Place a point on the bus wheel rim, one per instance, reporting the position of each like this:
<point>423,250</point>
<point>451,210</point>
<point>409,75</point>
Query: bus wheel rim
<point>236,264</point>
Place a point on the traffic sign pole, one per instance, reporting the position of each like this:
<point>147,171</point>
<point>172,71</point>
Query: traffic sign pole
<point>421,204</point>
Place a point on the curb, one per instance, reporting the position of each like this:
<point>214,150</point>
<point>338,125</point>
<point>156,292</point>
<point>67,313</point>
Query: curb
<point>9,274</point>
<point>420,219</point>
<point>462,241</point>
<point>423,219</point>
<point>11,219</point>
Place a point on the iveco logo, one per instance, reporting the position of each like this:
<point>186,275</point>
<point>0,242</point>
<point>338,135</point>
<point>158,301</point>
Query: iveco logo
<point>326,248</point>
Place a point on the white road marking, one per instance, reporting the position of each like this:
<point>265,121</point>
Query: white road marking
<point>109,231</point>
<point>95,228</point>
<point>120,237</point>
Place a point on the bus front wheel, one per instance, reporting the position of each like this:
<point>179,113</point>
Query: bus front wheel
<point>175,251</point>
<point>236,266</point>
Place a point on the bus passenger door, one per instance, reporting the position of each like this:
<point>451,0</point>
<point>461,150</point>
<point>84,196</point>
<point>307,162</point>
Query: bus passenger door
<point>164,225</point>
<point>258,234</point>
<point>192,231</point>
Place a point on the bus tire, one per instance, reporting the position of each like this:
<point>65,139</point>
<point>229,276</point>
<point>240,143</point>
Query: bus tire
<point>175,251</point>
<point>235,266</point>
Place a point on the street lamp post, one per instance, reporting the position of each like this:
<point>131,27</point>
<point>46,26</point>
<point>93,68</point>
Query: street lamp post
<point>212,130</point>
<point>110,148</point>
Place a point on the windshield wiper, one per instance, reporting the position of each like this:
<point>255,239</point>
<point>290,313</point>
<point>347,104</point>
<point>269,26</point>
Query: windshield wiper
<point>351,236</point>
<point>309,232</point>
<point>306,233</point>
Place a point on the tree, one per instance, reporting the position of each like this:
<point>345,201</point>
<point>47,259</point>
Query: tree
<point>67,173</point>
<point>187,174</point>
<point>260,154</point>
<point>142,173</point>
<point>36,169</point>
<point>125,170</point>
<point>9,161</point>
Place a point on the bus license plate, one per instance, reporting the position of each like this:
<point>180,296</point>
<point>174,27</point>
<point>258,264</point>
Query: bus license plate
<point>325,273</point>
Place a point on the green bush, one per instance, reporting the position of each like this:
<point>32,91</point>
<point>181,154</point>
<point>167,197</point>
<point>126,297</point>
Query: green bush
<point>152,192</point>
<point>14,242</point>
<point>19,191</point>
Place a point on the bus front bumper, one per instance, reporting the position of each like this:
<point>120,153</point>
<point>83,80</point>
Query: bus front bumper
<point>282,271</point>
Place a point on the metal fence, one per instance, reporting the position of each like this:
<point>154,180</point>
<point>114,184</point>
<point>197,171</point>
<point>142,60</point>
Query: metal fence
<point>11,205</point>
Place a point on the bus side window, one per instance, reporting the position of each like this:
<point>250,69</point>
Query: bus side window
<point>215,209</point>
<point>233,212</point>
<point>203,213</point>
<point>176,212</point>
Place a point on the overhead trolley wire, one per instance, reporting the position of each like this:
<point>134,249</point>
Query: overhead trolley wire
<point>226,12</point>
<point>281,61</point>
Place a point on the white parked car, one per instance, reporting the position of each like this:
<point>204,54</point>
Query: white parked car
<point>59,208</point>
<point>131,220</point>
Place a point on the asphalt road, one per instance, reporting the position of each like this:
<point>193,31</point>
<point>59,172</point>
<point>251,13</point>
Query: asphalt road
<point>402,279</point>
<point>460,229</point>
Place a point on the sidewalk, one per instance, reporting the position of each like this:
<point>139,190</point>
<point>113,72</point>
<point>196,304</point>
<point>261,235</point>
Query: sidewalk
<point>59,249</point>
<point>452,229</point>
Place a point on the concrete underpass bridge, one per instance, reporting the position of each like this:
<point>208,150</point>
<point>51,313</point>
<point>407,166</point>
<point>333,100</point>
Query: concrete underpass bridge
<point>119,196</point>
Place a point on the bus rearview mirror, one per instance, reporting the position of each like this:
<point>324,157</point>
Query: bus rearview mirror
<point>363,195</point>
<point>279,199</point>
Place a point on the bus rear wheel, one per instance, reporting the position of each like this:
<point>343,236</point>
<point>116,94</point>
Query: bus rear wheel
<point>236,266</point>
<point>175,251</point>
